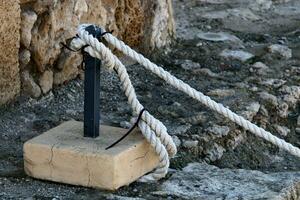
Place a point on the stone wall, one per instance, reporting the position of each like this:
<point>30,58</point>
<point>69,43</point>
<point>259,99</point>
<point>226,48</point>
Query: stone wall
<point>9,48</point>
<point>145,25</point>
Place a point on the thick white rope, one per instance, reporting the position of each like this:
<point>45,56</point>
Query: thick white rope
<point>153,130</point>
<point>180,85</point>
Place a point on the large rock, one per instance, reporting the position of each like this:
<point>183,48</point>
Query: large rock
<point>144,25</point>
<point>203,181</point>
<point>9,48</point>
<point>30,87</point>
<point>28,20</point>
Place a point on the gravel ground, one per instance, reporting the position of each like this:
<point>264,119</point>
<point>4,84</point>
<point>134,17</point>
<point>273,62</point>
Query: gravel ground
<point>224,49</point>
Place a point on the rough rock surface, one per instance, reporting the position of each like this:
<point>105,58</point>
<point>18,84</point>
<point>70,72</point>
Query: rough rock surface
<point>145,25</point>
<point>10,38</point>
<point>200,134</point>
<point>29,86</point>
<point>207,182</point>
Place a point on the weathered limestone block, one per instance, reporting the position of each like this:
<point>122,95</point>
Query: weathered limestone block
<point>9,48</point>
<point>142,24</point>
<point>62,154</point>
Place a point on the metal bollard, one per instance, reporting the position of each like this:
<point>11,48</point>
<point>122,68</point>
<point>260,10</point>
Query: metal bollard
<point>92,90</point>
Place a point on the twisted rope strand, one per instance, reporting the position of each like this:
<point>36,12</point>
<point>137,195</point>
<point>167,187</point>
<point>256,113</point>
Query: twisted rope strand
<point>152,129</point>
<point>180,85</point>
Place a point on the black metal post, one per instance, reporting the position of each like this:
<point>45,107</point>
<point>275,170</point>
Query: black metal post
<point>92,91</point>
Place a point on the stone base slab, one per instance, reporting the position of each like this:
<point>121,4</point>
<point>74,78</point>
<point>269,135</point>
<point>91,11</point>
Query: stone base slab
<point>62,154</point>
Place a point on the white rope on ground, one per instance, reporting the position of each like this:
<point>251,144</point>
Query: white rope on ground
<point>154,131</point>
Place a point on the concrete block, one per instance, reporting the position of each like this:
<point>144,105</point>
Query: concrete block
<point>62,154</point>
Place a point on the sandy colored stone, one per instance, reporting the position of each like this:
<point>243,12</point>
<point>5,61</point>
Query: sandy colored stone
<point>40,26</point>
<point>68,65</point>
<point>29,86</point>
<point>46,81</point>
<point>142,24</point>
<point>28,18</point>
<point>62,154</point>
<point>9,49</point>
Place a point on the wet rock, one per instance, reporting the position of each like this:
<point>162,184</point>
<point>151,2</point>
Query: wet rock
<point>218,37</point>
<point>280,51</point>
<point>240,55</point>
<point>219,131</point>
<point>190,65</point>
<point>221,92</point>
<point>282,130</point>
<point>203,181</point>
<point>46,81</point>
<point>259,68</point>
<point>29,85</point>
<point>268,99</point>
<point>28,18</point>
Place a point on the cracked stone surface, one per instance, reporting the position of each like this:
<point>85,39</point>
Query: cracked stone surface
<point>203,181</point>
